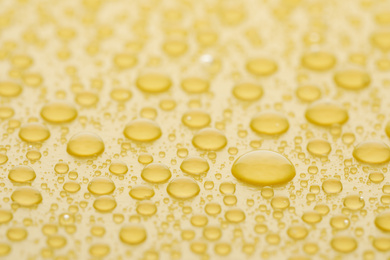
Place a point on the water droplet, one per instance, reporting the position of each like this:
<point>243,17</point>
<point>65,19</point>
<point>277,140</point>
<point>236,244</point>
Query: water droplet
<point>5,216</point>
<point>10,89</point>
<point>22,174</point>
<point>319,147</point>
<point>59,112</point>
<point>326,113</point>
<point>261,67</point>
<point>199,220</point>
<point>101,186</point>
<point>382,243</point>
<point>340,222</point>
<point>194,85</point>
<point>383,222</point>
<point>4,249</point>
<point>248,91</point>
<point>354,202</point>
<point>125,61</point>
<point>381,40</point>
<point>118,168</point>
<point>319,61</point>
<point>85,144</point>
<point>6,112</point>
<point>32,155</point>
<point>56,241</point>
<point>343,244</point>
<point>374,152</point>
<point>146,208</point>
<point>183,188</point>
<point>121,94</point>
<point>175,48</point>
<point>235,215</point>
<point>196,119</point>
<point>352,79</point>
<point>209,139</point>
<point>270,123</point>
<point>61,168</point>
<point>145,158</point>
<point>332,186</point>
<point>308,93</point>
<point>195,166</point>
<point>87,98</point>
<point>16,234</point>
<point>297,232</point>
<point>71,186</point>
<point>34,132</point>
<point>142,130</point>
<point>104,203</point>
<point>141,192</point>
<point>263,167</point>
<point>311,217</point>
<point>227,188</point>
<point>156,173</point>
<point>99,250</point>
<point>26,196</point>
<point>3,158</point>
<point>153,83</point>
<point>132,234</point>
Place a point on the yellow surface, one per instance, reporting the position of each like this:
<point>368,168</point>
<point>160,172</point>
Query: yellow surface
<point>121,121</point>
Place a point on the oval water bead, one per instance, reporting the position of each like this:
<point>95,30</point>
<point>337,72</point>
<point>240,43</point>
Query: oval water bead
<point>344,244</point>
<point>269,123</point>
<point>264,168</point>
<point>196,119</point>
<point>59,112</point>
<point>194,85</point>
<point>26,196</point>
<point>85,144</point>
<point>156,173</point>
<point>195,165</point>
<point>209,139</point>
<point>142,130</point>
<point>105,203</point>
<point>247,91</point>
<point>319,61</point>
<point>22,174</point>
<point>372,152</point>
<point>34,132</point>
<point>261,67</point>
<point>101,186</point>
<point>10,89</point>
<point>352,79</point>
<point>141,192</point>
<point>326,113</point>
<point>308,93</point>
<point>132,234</point>
<point>5,216</point>
<point>183,188</point>
<point>118,168</point>
<point>383,221</point>
<point>125,60</point>
<point>319,147</point>
<point>153,83</point>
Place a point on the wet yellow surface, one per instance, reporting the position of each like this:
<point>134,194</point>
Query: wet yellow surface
<point>179,129</point>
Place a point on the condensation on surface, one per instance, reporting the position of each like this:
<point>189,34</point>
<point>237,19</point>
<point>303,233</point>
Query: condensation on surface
<point>176,129</point>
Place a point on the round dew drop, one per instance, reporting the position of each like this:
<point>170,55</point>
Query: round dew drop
<point>85,144</point>
<point>373,152</point>
<point>132,234</point>
<point>183,188</point>
<point>209,139</point>
<point>142,130</point>
<point>263,167</point>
